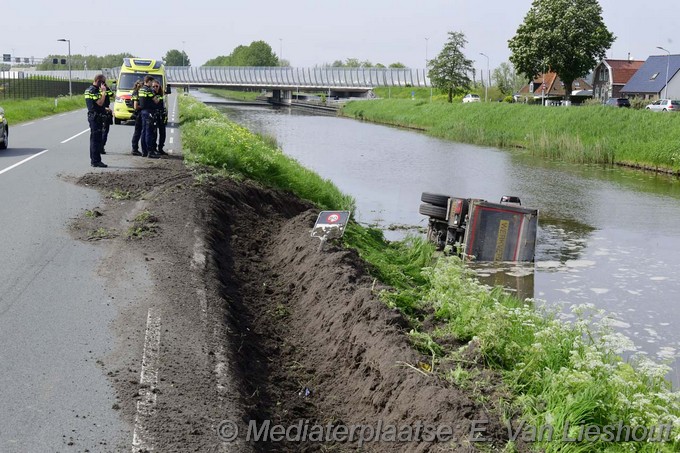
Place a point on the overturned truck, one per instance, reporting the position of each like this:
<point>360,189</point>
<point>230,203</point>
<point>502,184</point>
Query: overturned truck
<point>481,230</point>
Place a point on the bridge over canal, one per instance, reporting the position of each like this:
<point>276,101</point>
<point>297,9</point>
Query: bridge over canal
<point>283,81</point>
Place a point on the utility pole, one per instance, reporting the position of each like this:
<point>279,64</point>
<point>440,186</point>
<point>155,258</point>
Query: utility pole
<point>488,78</point>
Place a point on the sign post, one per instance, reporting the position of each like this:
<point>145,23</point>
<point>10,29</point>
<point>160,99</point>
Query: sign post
<point>330,225</point>
<point>543,93</point>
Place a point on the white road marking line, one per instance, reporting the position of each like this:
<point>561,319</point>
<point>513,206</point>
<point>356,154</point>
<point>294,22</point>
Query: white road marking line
<point>47,118</point>
<point>28,124</point>
<point>23,161</point>
<point>148,379</point>
<point>77,135</point>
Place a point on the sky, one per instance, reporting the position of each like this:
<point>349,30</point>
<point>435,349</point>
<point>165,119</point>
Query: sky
<point>310,33</point>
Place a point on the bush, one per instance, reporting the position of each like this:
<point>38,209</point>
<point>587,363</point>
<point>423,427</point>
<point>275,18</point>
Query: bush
<point>592,101</point>
<point>639,104</point>
<point>509,99</point>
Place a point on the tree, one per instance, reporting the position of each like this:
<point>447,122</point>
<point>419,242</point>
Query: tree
<point>507,80</point>
<point>449,71</point>
<point>566,36</point>
<point>397,65</point>
<point>175,57</point>
<point>350,63</point>
<point>258,53</point>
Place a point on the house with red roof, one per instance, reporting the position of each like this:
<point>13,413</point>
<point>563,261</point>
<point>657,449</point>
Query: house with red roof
<point>610,76</point>
<point>550,87</point>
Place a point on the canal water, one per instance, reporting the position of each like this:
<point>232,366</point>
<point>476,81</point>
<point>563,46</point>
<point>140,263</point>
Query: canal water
<point>607,236</point>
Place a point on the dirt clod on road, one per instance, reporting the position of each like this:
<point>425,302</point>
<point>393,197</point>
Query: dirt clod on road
<point>257,324</point>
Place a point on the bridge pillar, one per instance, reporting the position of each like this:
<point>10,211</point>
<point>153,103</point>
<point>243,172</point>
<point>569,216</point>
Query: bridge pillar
<point>282,97</point>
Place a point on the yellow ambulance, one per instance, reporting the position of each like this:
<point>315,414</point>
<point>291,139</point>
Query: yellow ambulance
<point>134,69</point>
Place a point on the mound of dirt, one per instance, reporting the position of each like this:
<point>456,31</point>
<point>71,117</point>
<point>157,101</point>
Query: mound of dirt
<point>259,325</point>
<point>314,341</point>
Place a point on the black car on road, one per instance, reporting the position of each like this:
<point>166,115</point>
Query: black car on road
<point>618,102</point>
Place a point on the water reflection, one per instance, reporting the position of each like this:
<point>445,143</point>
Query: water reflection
<point>515,278</point>
<point>561,240</point>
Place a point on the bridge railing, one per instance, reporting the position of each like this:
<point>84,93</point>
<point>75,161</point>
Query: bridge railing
<point>276,77</point>
<point>284,77</point>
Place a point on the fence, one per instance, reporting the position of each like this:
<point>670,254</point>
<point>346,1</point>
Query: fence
<point>19,85</point>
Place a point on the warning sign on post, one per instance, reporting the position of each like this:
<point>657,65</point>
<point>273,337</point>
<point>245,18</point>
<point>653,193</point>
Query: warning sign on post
<point>330,224</point>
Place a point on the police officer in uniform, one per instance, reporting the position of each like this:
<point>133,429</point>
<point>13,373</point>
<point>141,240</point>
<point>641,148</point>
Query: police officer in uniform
<point>137,134</point>
<point>109,117</point>
<point>161,116</point>
<point>148,101</point>
<point>95,96</point>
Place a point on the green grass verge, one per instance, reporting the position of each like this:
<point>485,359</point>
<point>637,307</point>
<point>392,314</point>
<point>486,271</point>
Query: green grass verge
<point>210,139</point>
<point>561,373</point>
<point>20,110</point>
<point>587,134</point>
<point>233,94</point>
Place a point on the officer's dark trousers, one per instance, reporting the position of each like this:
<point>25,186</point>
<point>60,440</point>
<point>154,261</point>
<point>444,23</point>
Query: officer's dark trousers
<point>148,133</point>
<point>95,139</point>
<point>105,133</point>
<point>161,135</point>
<point>137,134</point>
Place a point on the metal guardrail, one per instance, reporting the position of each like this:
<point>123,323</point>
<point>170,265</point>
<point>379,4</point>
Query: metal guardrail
<point>277,77</point>
<point>15,85</point>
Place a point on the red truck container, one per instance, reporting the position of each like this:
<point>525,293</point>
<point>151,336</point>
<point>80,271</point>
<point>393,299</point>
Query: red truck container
<point>481,230</point>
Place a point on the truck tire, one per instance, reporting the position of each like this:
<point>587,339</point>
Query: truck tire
<point>436,212</point>
<point>116,120</point>
<point>435,199</point>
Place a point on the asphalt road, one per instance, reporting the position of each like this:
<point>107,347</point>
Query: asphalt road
<point>55,309</point>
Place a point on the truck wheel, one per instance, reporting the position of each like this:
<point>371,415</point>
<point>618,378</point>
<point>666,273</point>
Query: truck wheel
<point>116,121</point>
<point>435,199</point>
<point>437,212</point>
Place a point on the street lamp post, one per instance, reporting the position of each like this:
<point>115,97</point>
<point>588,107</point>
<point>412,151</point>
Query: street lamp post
<point>427,41</point>
<point>488,78</point>
<point>70,90</point>
<point>280,51</point>
<point>668,62</point>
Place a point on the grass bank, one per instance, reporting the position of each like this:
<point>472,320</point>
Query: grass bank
<point>20,110</point>
<point>588,134</point>
<point>236,95</point>
<point>567,378</point>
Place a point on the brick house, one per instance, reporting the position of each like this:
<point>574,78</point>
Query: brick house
<point>610,76</point>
